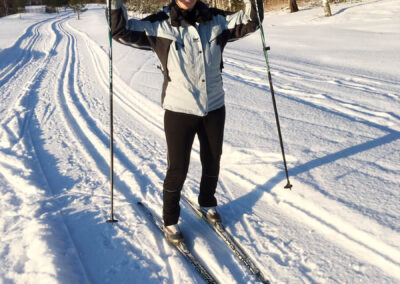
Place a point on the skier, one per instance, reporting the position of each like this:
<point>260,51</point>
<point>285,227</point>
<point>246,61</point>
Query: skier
<point>188,37</point>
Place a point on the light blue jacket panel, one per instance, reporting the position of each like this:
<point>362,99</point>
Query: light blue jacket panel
<point>190,54</point>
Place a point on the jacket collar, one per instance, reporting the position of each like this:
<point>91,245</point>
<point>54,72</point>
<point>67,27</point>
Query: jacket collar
<point>200,13</point>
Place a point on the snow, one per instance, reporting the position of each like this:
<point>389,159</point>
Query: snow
<point>337,87</point>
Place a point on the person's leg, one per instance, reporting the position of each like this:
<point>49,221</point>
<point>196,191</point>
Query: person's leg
<point>211,136</point>
<point>180,130</point>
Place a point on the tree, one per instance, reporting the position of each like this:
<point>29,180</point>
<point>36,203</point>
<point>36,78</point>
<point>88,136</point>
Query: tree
<point>78,6</point>
<point>229,5</point>
<point>152,6</point>
<point>4,8</point>
<point>236,5</point>
<point>327,8</point>
<point>293,6</point>
<point>52,5</point>
<point>19,6</point>
<point>62,3</point>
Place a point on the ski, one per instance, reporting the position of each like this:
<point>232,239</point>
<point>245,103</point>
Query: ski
<point>181,247</point>
<point>230,242</point>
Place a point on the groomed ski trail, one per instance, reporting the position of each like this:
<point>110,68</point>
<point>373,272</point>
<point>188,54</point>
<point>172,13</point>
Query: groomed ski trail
<point>54,153</point>
<point>59,126</point>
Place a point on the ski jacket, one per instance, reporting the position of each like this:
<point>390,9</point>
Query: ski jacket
<point>190,51</point>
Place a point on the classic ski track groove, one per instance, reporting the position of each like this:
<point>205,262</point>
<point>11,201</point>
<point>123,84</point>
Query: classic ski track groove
<point>71,116</point>
<point>122,146</point>
<point>37,77</point>
<point>56,25</point>
<point>32,77</point>
<point>24,58</point>
<point>125,97</point>
<point>18,72</point>
<point>72,119</point>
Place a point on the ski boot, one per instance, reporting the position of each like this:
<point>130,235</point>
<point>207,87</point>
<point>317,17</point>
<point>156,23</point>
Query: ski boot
<point>173,234</point>
<point>212,215</point>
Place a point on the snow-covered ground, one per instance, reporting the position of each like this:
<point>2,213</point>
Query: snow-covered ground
<point>338,95</point>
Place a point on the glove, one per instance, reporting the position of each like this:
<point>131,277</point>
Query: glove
<point>115,4</point>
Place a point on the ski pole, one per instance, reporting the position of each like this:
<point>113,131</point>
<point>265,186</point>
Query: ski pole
<point>265,49</point>
<point>111,220</point>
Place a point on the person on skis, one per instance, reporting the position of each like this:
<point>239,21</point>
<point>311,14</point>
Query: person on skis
<point>188,38</point>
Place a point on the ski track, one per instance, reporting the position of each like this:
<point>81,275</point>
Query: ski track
<point>71,116</point>
<point>23,111</point>
<point>296,87</point>
<point>140,165</point>
<point>25,43</point>
<point>93,141</point>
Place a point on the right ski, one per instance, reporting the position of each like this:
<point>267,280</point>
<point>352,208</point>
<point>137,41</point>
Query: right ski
<point>230,242</point>
<point>181,247</point>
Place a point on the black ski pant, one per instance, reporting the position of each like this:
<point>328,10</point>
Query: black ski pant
<point>180,130</point>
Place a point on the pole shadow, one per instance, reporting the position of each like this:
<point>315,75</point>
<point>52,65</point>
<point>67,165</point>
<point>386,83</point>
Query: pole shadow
<point>247,202</point>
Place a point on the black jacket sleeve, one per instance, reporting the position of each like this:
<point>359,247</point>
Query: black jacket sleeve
<point>120,32</point>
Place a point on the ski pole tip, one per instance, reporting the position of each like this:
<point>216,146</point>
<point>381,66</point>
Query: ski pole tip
<point>288,186</point>
<point>112,221</point>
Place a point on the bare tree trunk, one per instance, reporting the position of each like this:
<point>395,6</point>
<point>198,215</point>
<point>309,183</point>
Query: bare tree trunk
<point>293,6</point>
<point>220,4</point>
<point>5,7</point>
<point>327,8</point>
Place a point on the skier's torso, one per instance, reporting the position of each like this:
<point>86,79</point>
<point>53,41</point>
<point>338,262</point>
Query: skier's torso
<point>194,69</point>
<point>190,53</point>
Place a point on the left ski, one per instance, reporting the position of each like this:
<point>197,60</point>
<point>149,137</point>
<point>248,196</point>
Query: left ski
<point>230,242</point>
<point>181,247</point>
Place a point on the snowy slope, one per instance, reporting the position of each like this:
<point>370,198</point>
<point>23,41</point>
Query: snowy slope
<point>338,94</point>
